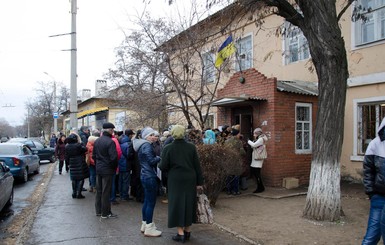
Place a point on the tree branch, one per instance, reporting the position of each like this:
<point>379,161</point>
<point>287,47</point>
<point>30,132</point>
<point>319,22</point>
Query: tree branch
<point>344,9</point>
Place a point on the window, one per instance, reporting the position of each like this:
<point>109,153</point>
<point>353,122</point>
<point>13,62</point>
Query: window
<point>296,46</point>
<point>244,54</point>
<point>210,121</point>
<point>303,128</point>
<point>208,67</point>
<point>372,28</point>
<point>370,116</point>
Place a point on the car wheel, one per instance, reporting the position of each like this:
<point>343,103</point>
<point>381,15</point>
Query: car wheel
<point>10,200</point>
<point>52,159</point>
<point>25,176</point>
<point>37,171</point>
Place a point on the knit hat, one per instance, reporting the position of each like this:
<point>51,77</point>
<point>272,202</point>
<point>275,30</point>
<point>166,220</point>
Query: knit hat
<point>108,125</point>
<point>178,132</point>
<point>147,131</point>
<point>166,133</point>
<point>258,130</point>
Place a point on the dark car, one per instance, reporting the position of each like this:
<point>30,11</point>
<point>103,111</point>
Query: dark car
<point>20,159</point>
<point>44,152</point>
<point>6,186</point>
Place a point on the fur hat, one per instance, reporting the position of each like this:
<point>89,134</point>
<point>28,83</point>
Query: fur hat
<point>108,125</point>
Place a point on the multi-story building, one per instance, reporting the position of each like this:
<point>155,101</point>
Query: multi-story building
<point>270,82</point>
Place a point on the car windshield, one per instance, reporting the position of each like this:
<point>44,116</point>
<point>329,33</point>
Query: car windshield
<point>9,150</point>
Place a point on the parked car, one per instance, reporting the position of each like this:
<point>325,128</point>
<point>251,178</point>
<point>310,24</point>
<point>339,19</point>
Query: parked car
<point>20,159</point>
<point>44,152</point>
<point>6,186</point>
<point>4,139</point>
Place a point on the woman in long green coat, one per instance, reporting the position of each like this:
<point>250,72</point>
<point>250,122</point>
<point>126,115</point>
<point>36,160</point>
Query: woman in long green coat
<point>180,159</point>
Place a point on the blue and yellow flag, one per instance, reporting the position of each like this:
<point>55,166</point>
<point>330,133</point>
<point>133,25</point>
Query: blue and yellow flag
<point>226,49</point>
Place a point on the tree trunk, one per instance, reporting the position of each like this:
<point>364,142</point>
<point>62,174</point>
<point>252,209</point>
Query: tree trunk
<point>328,52</point>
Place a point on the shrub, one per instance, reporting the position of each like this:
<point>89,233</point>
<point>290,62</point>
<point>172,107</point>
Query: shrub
<point>217,162</point>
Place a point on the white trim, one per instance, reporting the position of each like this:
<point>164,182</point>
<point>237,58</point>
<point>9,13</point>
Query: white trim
<point>357,158</point>
<point>373,78</point>
<point>355,120</point>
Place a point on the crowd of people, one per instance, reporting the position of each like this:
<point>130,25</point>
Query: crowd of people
<point>145,164</point>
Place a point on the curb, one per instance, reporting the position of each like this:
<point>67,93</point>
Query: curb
<point>236,234</point>
<point>39,192</point>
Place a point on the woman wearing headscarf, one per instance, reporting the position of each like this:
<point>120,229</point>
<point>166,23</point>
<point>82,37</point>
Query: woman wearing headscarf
<point>258,156</point>
<point>209,138</point>
<point>75,157</point>
<point>180,159</point>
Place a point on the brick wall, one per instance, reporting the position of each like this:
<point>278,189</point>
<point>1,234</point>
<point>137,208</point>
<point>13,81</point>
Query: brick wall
<point>278,110</point>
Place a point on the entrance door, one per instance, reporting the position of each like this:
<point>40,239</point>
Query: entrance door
<point>243,117</point>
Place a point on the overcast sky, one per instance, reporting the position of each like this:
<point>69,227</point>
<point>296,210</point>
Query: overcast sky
<point>28,54</point>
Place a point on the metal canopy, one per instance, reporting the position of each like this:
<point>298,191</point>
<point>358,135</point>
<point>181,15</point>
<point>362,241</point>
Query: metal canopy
<point>228,101</point>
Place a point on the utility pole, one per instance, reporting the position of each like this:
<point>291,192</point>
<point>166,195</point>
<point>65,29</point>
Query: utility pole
<point>73,88</point>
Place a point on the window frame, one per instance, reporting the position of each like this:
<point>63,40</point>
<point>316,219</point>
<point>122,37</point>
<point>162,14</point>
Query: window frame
<point>238,65</point>
<point>359,156</point>
<point>209,74</point>
<point>310,121</point>
<point>358,26</point>
<point>303,51</point>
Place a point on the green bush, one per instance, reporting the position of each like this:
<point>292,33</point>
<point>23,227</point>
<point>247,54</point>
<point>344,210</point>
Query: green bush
<point>217,162</point>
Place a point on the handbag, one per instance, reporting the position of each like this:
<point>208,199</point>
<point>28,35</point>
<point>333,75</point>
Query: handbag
<point>204,212</point>
<point>260,153</point>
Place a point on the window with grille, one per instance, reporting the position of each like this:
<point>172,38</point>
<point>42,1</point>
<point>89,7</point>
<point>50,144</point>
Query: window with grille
<point>303,128</point>
<point>370,116</point>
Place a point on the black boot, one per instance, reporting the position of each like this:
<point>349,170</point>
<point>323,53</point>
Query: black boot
<point>178,238</point>
<point>74,189</point>
<point>187,235</point>
<point>79,189</point>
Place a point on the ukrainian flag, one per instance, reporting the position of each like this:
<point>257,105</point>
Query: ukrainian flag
<point>226,49</point>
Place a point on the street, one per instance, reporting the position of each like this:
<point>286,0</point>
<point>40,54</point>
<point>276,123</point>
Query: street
<point>59,219</point>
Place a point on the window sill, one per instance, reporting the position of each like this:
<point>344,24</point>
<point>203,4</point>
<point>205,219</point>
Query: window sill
<point>356,158</point>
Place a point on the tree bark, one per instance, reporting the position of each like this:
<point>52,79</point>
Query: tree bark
<point>328,53</point>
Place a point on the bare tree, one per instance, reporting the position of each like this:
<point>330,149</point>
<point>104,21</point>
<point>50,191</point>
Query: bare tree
<point>41,107</point>
<point>318,21</point>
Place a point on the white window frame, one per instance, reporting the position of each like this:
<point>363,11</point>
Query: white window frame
<point>310,121</point>
<point>302,51</point>
<point>356,120</point>
<point>244,60</point>
<point>208,67</point>
<point>375,20</point>
<point>214,121</point>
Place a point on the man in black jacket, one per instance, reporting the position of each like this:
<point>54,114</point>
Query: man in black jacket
<point>105,156</point>
<point>374,183</point>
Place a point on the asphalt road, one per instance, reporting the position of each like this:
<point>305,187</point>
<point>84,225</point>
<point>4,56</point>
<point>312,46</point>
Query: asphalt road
<point>56,218</point>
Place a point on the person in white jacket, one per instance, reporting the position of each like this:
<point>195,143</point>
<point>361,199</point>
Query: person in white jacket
<point>259,154</point>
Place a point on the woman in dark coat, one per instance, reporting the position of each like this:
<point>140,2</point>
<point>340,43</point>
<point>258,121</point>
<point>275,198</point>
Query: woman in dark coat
<point>180,160</point>
<point>60,153</point>
<point>75,157</point>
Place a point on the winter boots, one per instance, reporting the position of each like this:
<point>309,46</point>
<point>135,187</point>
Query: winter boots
<point>150,230</point>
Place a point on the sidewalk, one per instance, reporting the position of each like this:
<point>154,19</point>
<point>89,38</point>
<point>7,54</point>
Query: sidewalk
<point>63,220</point>
<point>272,217</point>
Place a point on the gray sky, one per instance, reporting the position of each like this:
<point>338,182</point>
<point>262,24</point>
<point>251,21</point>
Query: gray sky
<point>27,52</point>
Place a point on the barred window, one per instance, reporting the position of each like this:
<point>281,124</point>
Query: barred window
<point>303,128</point>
